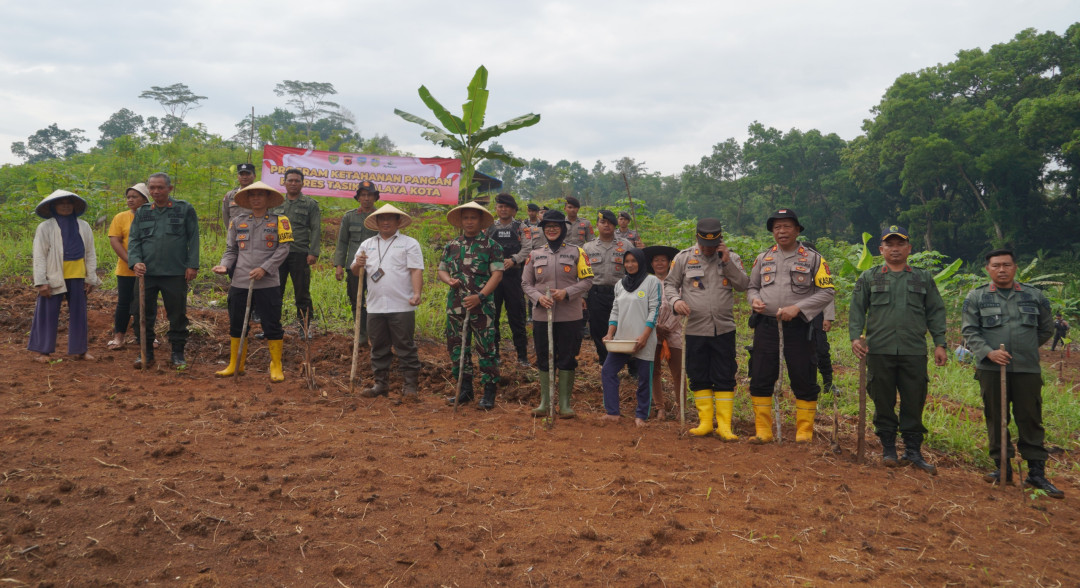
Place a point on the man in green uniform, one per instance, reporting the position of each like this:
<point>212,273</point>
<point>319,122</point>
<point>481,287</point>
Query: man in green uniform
<point>352,233</point>
<point>472,265</point>
<point>163,248</point>
<point>897,304</point>
<point>1018,316</point>
<point>303,213</point>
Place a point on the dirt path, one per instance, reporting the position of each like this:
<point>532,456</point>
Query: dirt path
<point>111,477</point>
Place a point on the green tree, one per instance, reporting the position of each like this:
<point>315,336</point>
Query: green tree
<point>466,134</point>
<point>52,142</point>
<point>309,104</point>
<point>122,122</point>
<point>176,99</point>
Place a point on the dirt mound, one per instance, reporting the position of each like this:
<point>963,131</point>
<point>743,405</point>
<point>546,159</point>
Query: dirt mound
<point>113,477</point>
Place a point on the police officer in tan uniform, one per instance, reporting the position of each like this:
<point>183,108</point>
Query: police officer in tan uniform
<point>564,269</point>
<point>606,258</point>
<point>255,247</point>
<point>790,283</point>
<point>579,230</point>
<point>701,285</point>
<point>625,232</point>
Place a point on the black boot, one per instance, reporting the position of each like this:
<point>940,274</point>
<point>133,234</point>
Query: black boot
<point>995,476</point>
<point>1037,479</point>
<point>178,360</point>
<point>913,453</point>
<point>888,449</point>
<point>488,401</point>
<point>466,394</point>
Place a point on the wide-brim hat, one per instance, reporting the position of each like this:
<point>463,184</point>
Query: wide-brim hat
<point>454,216</point>
<point>243,200</point>
<point>44,208</point>
<point>653,250</point>
<point>141,188</point>
<point>372,220</point>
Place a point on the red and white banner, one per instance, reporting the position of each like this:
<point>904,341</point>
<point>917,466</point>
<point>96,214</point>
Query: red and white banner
<point>430,180</point>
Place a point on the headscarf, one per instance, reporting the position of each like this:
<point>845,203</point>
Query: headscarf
<point>69,234</point>
<point>554,243</point>
<point>631,281</point>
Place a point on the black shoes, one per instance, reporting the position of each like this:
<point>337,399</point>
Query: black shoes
<point>488,401</point>
<point>466,394</point>
<point>1037,479</point>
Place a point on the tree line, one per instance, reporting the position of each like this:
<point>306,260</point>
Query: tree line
<point>980,152</point>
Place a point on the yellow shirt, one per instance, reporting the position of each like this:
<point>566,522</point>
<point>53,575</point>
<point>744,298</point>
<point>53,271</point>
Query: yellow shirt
<point>121,227</point>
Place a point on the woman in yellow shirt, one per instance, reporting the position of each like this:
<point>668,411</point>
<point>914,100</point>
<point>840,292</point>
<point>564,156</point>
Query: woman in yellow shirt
<point>126,292</point>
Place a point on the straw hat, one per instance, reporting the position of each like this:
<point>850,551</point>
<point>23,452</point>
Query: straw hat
<point>141,188</point>
<point>44,208</point>
<point>454,216</point>
<point>274,198</point>
<point>372,220</point>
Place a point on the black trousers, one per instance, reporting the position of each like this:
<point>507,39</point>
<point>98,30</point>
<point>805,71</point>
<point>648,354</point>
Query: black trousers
<point>799,353</point>
<point>127,304</point>
<point>710,362</point>
<point>889,375</point>
<point>1024,392</point>
<point>173,290</point>
<point>567,344</point>
<point>267,301</point>
<point>510,294</point>
<point>601,299</point>
<point>296,266</point>
<point>824,356</point>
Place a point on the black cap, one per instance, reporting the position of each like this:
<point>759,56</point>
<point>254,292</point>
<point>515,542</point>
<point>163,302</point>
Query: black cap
<point>607,215</point>
<point>896,230</point>
<point>506,199</point>
<point>366,186</point>
<point>625,215</point>
<point>245,168</point>
<point>783,213</point>
<point>573,201</point>
<point>709,232</point>
<point>553,216</point>
<point>532,207</point>
<point>1002,251</point>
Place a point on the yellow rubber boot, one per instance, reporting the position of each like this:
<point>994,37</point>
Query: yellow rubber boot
<point>276,372</point>
<point>703,400</point>
<point>762,419</point>
<point>804,420</point>
<point>725,403</point>
<point>234,349</point>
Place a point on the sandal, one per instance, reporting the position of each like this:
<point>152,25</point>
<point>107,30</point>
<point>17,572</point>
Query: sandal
<point>42,358</point>
<point>115,344</point>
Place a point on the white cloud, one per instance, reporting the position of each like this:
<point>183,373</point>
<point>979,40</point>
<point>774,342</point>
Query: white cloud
<point>658,81</point>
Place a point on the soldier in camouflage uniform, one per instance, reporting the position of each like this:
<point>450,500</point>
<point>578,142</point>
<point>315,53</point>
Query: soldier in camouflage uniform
<point>472,265</point>
<point>256,245</point>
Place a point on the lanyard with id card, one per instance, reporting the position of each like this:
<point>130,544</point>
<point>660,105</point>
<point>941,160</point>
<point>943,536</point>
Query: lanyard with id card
<point>379,273</point>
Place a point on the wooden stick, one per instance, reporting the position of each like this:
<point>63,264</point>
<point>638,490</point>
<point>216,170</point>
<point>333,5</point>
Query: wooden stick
<point>356,332</point>
<point>307,370</point>
<point>779,388</point>
<point>461,359</point>
<point>551,361</point>
<point>633,214</point>
<point>242,352</point>
<point>1003,461</point>
<point>835,420</point>
<point>142,323</point>
<point>860,446</point>
<point>251,140</point>
<point>682,379</point>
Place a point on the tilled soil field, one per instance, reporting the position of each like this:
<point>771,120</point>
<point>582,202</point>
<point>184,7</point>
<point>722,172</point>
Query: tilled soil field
<point>113,477</point>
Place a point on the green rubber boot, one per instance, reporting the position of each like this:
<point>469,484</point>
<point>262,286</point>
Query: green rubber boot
<point>566,386</point>
<point>545,395</point>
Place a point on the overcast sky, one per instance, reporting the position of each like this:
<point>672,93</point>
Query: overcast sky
<point>657,81</point>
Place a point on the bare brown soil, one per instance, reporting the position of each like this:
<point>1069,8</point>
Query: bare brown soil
<point>112,477</point>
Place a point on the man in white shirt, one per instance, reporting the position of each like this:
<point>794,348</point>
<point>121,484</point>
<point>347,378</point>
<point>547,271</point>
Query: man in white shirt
<point>394,267</point>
